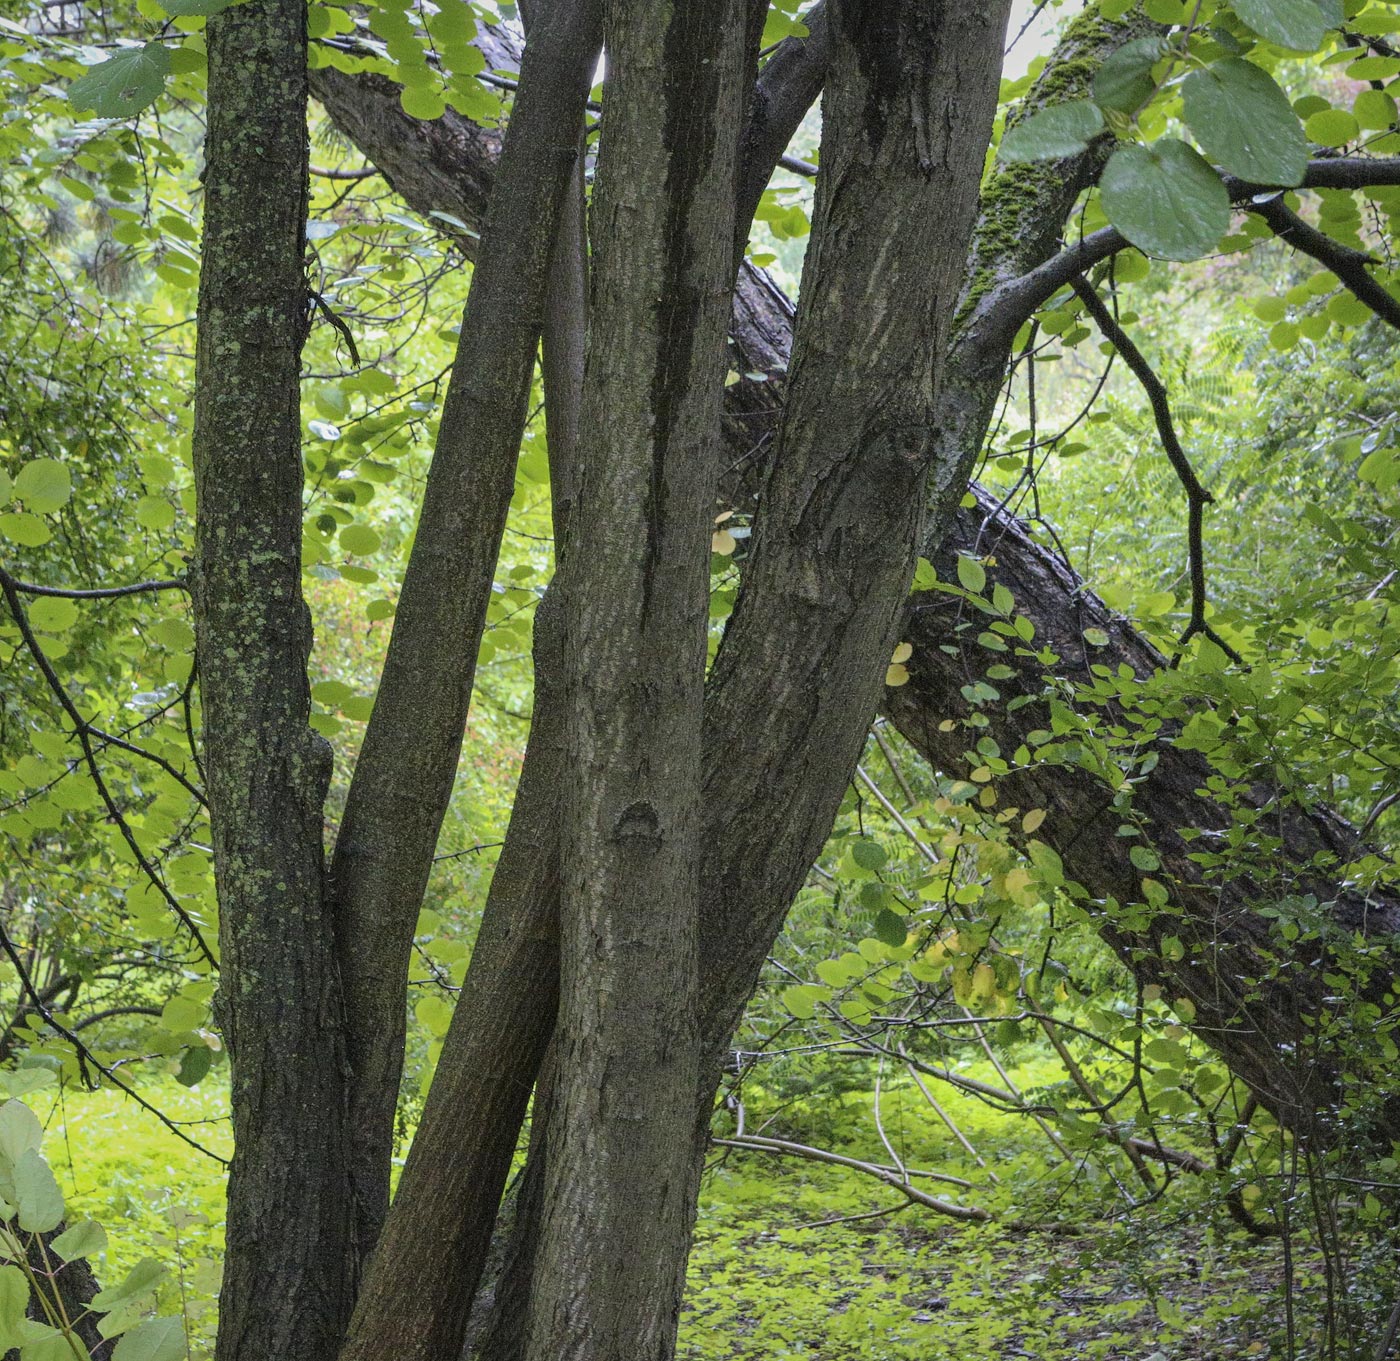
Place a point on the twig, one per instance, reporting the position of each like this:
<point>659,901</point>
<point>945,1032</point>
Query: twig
<point>83,731</point>
<point>1347,264</point>
<point>103,593</point>
<point>1197,497</point>
<point>86,1056</point>
<point>761,1144</point>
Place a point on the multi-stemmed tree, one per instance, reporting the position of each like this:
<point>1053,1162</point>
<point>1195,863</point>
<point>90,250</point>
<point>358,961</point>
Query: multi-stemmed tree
<point>666,816</point>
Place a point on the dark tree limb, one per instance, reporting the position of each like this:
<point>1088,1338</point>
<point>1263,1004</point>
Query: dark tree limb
<point>1350,266</point>
<point>85,733</point>
<point>1197,497</point>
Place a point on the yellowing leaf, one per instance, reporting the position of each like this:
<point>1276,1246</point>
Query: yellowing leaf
<point>723,543</point>
<point>898,674</point>
<point>902,653</point>
<point>1032,820</point>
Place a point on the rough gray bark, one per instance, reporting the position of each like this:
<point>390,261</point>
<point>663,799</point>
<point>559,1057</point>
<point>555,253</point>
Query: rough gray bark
<point>794,688</point>
<point>635,587</point>
<point>403,777</point>
<point>267,773</point>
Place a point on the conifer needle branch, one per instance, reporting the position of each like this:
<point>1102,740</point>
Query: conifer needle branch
<point>1197,497</point>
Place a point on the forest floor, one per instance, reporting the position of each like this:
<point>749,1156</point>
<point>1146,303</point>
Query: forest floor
<point>770,1279</point>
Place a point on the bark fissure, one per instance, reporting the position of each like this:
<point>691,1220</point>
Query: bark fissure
<point>635,587</point>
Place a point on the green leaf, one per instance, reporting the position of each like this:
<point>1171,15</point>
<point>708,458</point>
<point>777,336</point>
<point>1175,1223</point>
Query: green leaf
<point>154,512</point>
<point>1062,130</point>
<point>44,485</point>
<point>1144,858</point>
<point>1298,25</point>
<point>140,1280</point>
<point>53,614</point>
<point>22,1081</point>
<point>182,1013</point>
<point>1330,127</point>
<point>971,574</point>
<point>195,1065</point>
<point>1124,82</point>
<point>157,1339</point>
<point>20,1131</point>
<point>869,855</point>
<point>1373,109</point>
<point>81,1240</point>
<point>359,539</point>
<point>27,530</point>
<point>1245,123</point>
<point>49,1344</point>
<point>802,998</point>
<point>14,1300</point>
<point>124,84</point>
<point>1165,199</point>
<point>422,103</point>
<point>40,1200</point>
<point>890,928</point>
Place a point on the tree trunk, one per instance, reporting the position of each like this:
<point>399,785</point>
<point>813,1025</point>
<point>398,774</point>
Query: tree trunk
<point>1022,217</point>
<point>403,778</point>
<point>288,1267</point>
<point>635,585</point>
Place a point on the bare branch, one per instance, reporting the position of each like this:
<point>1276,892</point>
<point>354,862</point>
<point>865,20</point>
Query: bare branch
<point>86,1056</point>
<point>102,593</point>
<point>1197,497</point>
<point>885,1174</point>
<point>84,733</point>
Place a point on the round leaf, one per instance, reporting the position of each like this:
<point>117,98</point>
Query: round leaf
<point>1333,127</point>
<point>43,485</point>
<point>359,539</point>
<point>869,855</point>
<point>154,512</point>
<point>1062,130</point>
<point>195,1064</point>
<point>53,614</point>
<point>29,531</point>
<point>1245,123</point>
<point>1165,199</point>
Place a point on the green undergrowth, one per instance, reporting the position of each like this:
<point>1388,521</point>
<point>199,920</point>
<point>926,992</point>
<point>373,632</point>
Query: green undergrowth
<point>782,1266</point>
